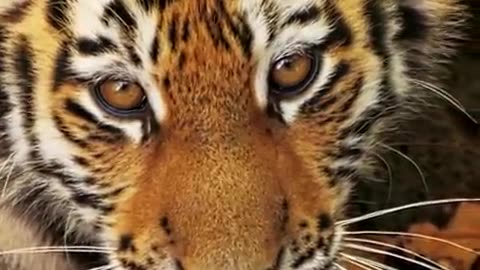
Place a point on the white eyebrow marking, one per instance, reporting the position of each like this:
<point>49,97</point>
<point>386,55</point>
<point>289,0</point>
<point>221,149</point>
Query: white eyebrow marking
<point>289,38</point>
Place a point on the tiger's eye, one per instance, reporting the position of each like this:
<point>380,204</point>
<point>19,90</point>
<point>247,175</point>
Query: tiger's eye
<point>291,75</point>
<point>122,95</point>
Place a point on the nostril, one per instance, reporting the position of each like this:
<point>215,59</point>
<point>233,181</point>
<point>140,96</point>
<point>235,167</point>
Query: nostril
<point>278,260</point>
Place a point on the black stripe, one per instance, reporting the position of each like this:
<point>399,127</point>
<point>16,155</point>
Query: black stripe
<point>315,104</point>
<point>87,199</point>
<point>323,104</point>
<point>133,55</point>
<point>214,19</point>
<point>413,24</point>
<point>341,34</point>
<point>114,133</point>
<point>148,5</point>
<point>60,125</point>
<point>377,28</point>
<point>368,118</point>
<point>272,13</point>
<point>56,170</point>
<point>245,35</point>
<point>5,106</point>
<point>240,29</point>
<point>57,13</point>
<point>163,4</point>
<point>186,30</point>
<point>303,16</point>
<point>215,30</point>
<point>36,201</point>
<point>355,89</point>
<point>337,175</point>
<point>97,46</point>
<point>181,60</point>
<point>17,12</point>
<point>63,70</point>
<point>155,49</point>
<point>104,138</point>
<point>78,110</point>
<point>83,162</point>
<point>349,152</point>
<point>119,12</point>
<point>26,77</point>
<point>303,258</point>
<point>172,32</point>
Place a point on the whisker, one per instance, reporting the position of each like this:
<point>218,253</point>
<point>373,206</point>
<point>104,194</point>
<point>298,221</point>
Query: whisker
<point>370,262</point>
<point>105,267</point>
<point>360,263</point>
<point>401,208</point>
<point>57,249</point>
<point>446,96</point>
<point>410,160</point>
<point>414,235</point>
<point>386,253</point>
<point>390,175</point>
<point>338,266</point>
<point>407,251</point>
<point>7,179</point>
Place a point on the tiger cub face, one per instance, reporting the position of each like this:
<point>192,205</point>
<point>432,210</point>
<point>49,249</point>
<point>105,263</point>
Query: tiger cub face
<point>204,134</point>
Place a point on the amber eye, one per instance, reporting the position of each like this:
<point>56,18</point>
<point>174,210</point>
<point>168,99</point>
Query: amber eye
<point>121,97</point>
<point>293,74</point>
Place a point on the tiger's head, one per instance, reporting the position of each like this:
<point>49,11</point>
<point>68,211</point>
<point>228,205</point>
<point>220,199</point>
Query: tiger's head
<point>205,134</point>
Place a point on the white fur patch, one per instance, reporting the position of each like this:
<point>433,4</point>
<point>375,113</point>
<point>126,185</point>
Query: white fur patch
<point>87,18</point>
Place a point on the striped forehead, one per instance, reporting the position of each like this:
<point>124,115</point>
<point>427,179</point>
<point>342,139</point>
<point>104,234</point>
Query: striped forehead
<point>276,27</point>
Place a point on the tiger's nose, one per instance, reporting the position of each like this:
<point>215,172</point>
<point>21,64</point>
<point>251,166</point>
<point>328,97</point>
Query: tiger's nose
<point>228,237</point>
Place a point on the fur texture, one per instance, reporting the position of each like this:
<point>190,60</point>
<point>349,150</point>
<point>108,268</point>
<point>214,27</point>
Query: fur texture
<point>218,173</point>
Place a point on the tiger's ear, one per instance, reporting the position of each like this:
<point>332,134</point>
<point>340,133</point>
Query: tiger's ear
<point>430,30</point>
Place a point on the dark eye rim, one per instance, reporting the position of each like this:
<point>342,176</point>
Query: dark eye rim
<point>292,91</point>
<point>136,112</point>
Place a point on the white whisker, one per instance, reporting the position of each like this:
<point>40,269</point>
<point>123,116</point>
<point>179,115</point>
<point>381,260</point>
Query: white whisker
<point>57,249</point>
<point>401,208</point>
<point>446,96</point>
<point>360,263</point>
<point>414,235</point>
<point>105,267</point>
<point>390,175</point>
<point>370,262</point>
<point>338,266</point>
<point>407,251</point>
<point>411,161</point>
<point>386,253</point>
<point>7,178</point>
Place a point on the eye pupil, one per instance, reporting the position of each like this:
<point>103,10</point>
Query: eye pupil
<point>121,96</point>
